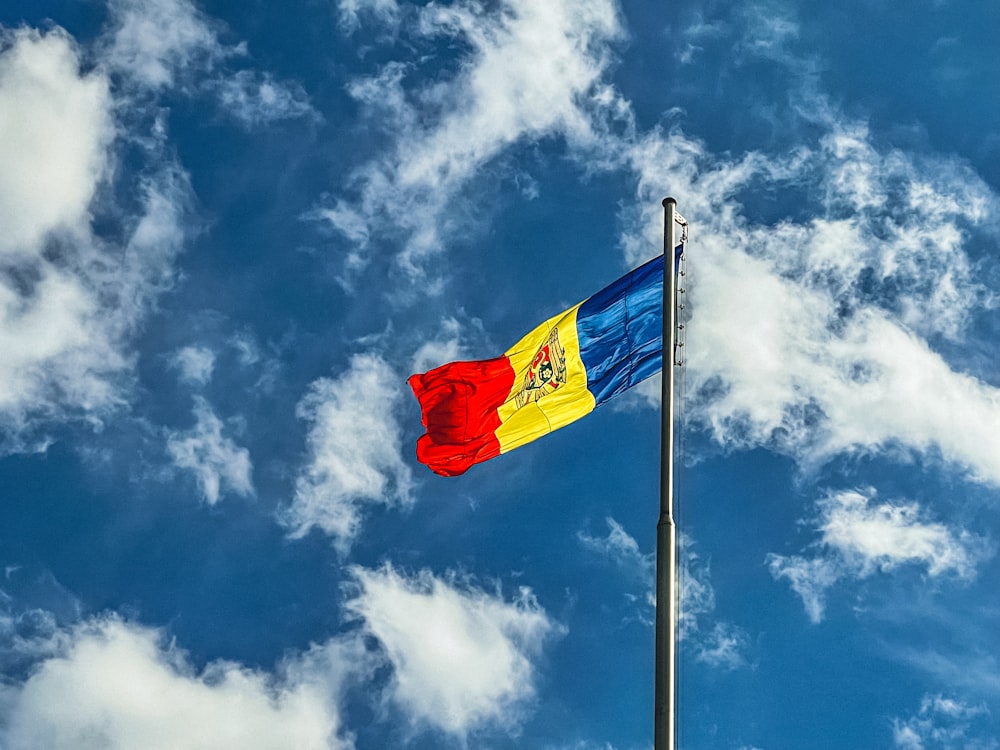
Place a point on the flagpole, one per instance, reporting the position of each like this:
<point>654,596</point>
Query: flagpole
<point>664,700</point>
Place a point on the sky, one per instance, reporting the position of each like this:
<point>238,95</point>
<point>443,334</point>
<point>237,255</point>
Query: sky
<point>229,231</point>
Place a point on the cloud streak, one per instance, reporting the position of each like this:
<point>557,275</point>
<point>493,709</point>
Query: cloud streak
<point>724,645</point>
<point>943,722</point>
<point>156,45</point>
<point>859,538</point>
<point>533,71</point>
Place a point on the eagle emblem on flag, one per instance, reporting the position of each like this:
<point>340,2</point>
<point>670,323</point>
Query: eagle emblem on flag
<point>546,372</point>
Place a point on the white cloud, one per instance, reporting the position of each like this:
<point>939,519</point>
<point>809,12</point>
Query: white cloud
<point>859,538</point>
<point>810,578</point>
<point>351,12</point>
<point>58,352</point>
<point>55,128</point>
<point>79,268</point>
<point>944,723</point>
<point>157,237</point>
<point>819,334</point>
<point>696,590</point>
<point>152,42</point>
<point>160,44</point>
<point>354,451</point>
<point>843,305</point>
<point>623,550</point>
<point>216,461</point>
<point>116,684</point>
<point>463,659</point>
<point>33,604</point>
<point>882,537</point>
<point>445,347</point>
<point>257,99</point>
<point>767,30</point>
<point>817,384</point>
<point>69,299</point>
<point>724,647</point>
<point>534,70</point>
<point>195,364</point>
<point>247,348</point>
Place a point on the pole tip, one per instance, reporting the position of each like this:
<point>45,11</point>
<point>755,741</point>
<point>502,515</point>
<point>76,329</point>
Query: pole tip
<point>667,201</point>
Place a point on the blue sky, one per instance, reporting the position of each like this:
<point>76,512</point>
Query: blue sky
<point>230,230</point>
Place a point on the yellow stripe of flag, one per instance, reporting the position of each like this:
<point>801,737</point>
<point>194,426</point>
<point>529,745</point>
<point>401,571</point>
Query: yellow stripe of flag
<point>550,383</point>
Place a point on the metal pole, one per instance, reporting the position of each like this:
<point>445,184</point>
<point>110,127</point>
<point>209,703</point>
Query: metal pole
<point>664,701</point>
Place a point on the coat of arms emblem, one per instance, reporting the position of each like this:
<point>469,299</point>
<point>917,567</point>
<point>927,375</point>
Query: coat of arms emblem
<point>546,373</point>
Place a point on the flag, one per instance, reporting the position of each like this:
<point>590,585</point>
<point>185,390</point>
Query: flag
<point>557,373</point>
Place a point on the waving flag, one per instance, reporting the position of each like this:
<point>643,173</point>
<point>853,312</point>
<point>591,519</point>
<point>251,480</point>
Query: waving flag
<point>557,373</point>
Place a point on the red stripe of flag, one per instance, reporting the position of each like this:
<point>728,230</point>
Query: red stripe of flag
<point>458,404</point>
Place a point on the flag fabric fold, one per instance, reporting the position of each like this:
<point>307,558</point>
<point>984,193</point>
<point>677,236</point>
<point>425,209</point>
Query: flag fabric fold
<point>557,373</point>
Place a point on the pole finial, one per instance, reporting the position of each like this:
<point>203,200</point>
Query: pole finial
<point>668,200</point>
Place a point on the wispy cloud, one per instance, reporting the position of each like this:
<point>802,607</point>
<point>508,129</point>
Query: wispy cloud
<point>968,666</point>
<point>354,451</point>
<point>154,42</point>
<point>385,13</point>
<point>217,462</point>
<point>446,346</point>
<point>533,71</point>
<point>462,658</point>
<point>623,551</point>
<point>724,645</point>
<point>859,538</point>
<point>943,722</point>
<point>33,608</point>
<point>153,45</point>
<point>767,30</point>
<point>256,99</point>
<point>194,364</point>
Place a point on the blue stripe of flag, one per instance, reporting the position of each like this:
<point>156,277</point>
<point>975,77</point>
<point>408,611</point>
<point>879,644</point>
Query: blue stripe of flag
<point>621,331</point>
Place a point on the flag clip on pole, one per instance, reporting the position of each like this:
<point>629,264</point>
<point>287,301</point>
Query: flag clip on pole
<point>664,701</point>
